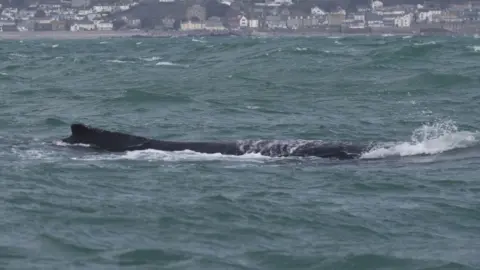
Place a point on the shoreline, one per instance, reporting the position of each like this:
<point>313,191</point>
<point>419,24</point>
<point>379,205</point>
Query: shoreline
<point>68,35</point>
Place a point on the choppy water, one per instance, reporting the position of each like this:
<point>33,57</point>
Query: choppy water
<point>412,204</point>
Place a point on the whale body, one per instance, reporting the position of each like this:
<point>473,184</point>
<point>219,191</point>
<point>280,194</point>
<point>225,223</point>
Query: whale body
<point>120,142</point>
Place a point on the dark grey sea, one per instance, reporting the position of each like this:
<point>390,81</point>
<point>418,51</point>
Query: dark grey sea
<point>411,203</point>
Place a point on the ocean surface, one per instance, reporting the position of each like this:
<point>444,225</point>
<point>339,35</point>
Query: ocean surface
<point>411,203</point>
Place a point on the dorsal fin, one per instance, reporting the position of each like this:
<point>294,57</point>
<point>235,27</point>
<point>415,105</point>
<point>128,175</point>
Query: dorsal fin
<point>79,129</point>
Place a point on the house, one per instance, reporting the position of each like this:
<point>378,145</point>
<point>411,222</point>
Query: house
<point>294,22</point>
<point>214,24</point>
<point>253,23</point>
<point>85,12</point>
<point>471,15</point>
<point>84,25</point>
<point>100,9</point>
<point>26,14</point>
<point>93,16</point>
<point>355,20</point>
<point>316,11</point>
<point>336,18</point>
<point>122,8</point>
<point>43,27</point>
<point>376,5</point>
<point>5,22</point>
<point>363,8</point>
<point>389,20</point>
<point>391,11</point>
<point>192,25</point>
<point>80,3</point>
<point>104,26</point>
<point>59,25</point>
<point>356,24</point>
<point>42,20</point>
<point>426,15</point>
<point>9,28</point>
<point>404,21</point>
<point>168,22</point>
<point>313,21</point>
<point>275,22</point>
<point>131,22</point>
<point>374,20</point>
<point>243,22</point>
<point>451,16</point>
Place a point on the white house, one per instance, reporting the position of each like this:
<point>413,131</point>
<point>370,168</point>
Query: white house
<point>84,12</point>
<point>126,7</point>
<point>244,22</point>
<point>428,15</point>
<point>377,5</point>
<point>316,11</point>
<point>253,23</point>
<point>82,26</point>
<point>100,9</point>
<point>404,21</point>
<point>104,26</point>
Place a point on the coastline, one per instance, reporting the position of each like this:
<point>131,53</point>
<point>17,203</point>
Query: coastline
<point>68,35</point>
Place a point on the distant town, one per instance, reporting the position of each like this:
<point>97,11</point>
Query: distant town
<point>238,16</point>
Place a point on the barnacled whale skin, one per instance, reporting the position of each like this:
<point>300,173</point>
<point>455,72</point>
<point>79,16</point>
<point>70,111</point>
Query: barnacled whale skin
<point>120,142</point>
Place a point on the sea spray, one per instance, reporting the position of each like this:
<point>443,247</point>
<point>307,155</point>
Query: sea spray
<point>430,138</point>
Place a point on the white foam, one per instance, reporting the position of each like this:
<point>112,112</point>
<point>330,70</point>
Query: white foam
<point>198,40</point>
<point>475,48</point>
<point>18,55</point>
<point>60,143</point>
<point>427,140</point>
<point>424,43</point>
<point>157,155</point>
<point>300,49</point>
<point>151,59</point>
<point>118,61</point>
<point>165,63</point>
<point>54,45</point>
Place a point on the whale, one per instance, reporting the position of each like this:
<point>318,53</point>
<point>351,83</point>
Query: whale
<point>114,141</point>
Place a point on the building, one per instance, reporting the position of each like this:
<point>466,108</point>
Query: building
<point>82,26</point>
<point>214,24</point>
<point>80,3</point>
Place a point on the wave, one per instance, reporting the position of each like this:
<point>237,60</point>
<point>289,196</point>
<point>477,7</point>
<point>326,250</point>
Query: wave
<point>158,155</point>
<point>118,61</point>
<point>166,63</point>
<point>475,48</point>
<point>427,140</point>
